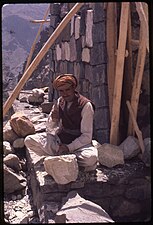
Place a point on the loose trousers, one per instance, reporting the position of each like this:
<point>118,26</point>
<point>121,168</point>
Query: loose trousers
<point>44,144</point>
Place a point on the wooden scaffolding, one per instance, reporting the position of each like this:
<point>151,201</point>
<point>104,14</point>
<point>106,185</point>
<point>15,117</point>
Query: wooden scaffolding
<point>119,50</point>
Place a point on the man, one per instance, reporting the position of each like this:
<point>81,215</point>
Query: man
<point>69,127</point>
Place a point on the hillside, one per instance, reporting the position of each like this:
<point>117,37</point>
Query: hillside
<point>18,34</point>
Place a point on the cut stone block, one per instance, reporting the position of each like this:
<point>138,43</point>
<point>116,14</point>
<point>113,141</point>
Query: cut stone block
<point>110,155</point>
<point>63,169</point>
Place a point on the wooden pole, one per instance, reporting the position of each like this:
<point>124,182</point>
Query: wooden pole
<point>111,29</point>
<point>127,85</point>
<point>40,21</point>
<point>129,73</point>
<point>119,73</point>
<point>138,75</point>
<point>136,128</point>
<point>35,41</point>
<point>39,56</point>
<point>142,9</point>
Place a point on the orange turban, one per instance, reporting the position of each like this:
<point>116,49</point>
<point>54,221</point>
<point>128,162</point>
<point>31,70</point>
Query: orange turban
<point>64,79</point>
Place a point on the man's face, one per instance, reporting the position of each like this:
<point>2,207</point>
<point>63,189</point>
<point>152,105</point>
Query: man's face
<point>67,91</point>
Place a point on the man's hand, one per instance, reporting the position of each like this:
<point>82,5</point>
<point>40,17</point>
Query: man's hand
<point>63,149</point>
<point>55,112</point>
<point>55,115</point>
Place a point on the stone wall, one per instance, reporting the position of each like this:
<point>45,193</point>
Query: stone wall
<point>81,49</point>
<point>124,191</point>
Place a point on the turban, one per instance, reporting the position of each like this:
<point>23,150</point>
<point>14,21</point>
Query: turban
<point>64,79</point>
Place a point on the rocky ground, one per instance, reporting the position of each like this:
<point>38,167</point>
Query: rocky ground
<point>18,206</point>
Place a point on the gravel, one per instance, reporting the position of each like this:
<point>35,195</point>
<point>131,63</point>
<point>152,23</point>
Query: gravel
<point>18,207</point>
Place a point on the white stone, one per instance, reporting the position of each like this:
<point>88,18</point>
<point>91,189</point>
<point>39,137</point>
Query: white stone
<point>96,143</point>
<point>77,27</point>
<point>37,92</point>
<point>72,25</point>
<point>58,52</point>
<point>110,155</point>
<point>86,55</point>
<point>67,51</point>
<point>73,51</point>
<point>89,25</point>
<point>63,51</point>
<point>63,169</point>
<point>83,41</point>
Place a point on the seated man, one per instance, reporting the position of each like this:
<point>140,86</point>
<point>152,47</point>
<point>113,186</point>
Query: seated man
<point>69,127</point>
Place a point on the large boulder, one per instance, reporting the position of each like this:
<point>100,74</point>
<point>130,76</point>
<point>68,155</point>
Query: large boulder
<point>130,147</point>
<point>8,133</point>
<point>63,169</point>
<point>37,96</point>
<point>110,155</point>
<point>12,181</point>
<point>12,161</point>
<point>21,125</point>
<point>146,156</point>
<point>76,209</point>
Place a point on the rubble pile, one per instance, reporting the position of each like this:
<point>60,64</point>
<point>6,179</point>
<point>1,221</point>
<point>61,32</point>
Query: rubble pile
<point>120,186</point>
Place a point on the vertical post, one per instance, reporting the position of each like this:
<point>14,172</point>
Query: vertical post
<point>119,73</point>
<point>111,34</point>
<point>127,85</point>
<point>139,68</point>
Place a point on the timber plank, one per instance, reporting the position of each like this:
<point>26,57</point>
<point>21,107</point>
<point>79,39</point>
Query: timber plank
<point>111,29</point>
<point>119,73</point>
<point>138,72</point>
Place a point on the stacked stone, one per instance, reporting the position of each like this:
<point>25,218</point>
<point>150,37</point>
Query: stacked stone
<point>81,50</point>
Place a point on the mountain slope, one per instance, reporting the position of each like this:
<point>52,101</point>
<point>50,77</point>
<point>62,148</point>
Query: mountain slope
<point>18,34</point>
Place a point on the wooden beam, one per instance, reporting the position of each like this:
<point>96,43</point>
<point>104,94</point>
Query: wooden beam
<point>136,128</point>
<point>129,72</point>
<point>142,9</point>
<point>127,85</point>
<point>39,56</point>
<point>119,73</point>
<point>40,21</point>
<point>111,34</point>
<point>35,41</point>
<point>138,75</point>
